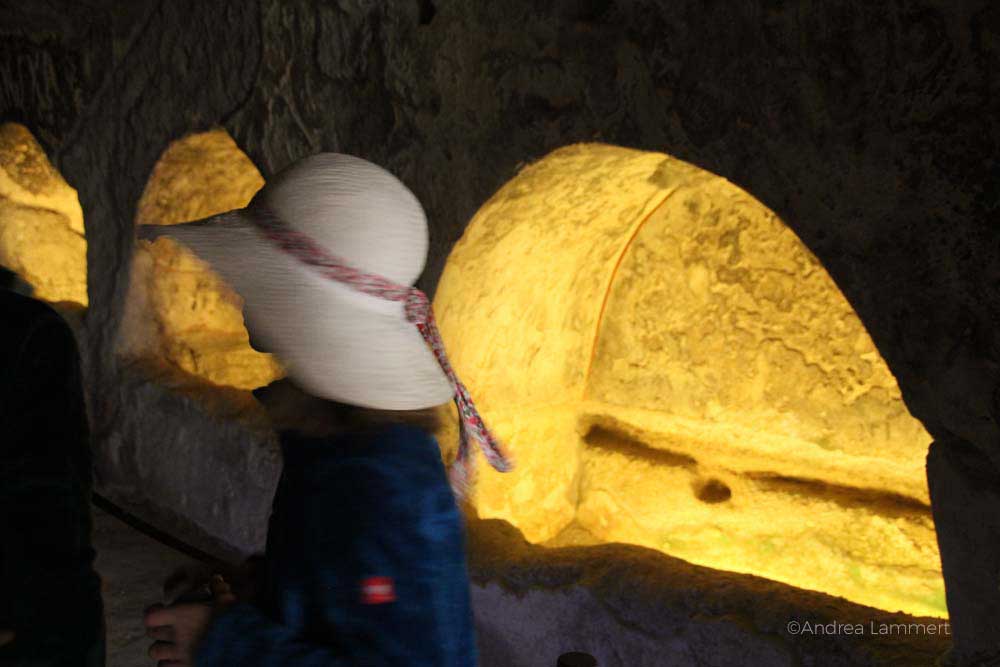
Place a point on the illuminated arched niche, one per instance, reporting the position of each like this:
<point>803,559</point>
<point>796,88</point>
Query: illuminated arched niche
<point>180,311</point>
<point>41,222</point>
<point>673,368</point>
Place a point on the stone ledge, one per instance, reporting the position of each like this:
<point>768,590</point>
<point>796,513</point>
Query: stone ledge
<point>633,606</point>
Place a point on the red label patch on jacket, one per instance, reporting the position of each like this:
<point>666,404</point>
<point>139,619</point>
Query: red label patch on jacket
<point>377,590</point>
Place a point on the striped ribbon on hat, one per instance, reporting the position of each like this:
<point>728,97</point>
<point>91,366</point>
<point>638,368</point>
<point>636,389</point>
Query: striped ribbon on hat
<point>419,312</point>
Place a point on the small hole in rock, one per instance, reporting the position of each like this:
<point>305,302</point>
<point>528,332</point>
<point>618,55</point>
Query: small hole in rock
<point>712,491</point>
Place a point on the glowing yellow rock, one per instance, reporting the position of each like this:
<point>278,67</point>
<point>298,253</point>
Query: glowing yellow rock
<point>719,315</point>
<point>519,304</point>
<point>673,368</point>
<point>41,222</point>
<point>179,310</point>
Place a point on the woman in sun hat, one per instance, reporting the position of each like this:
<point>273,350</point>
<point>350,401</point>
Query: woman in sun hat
<point>365,560</point>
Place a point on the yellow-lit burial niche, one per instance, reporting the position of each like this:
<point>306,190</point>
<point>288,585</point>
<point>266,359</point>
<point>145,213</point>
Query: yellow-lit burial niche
<point>673,368</point>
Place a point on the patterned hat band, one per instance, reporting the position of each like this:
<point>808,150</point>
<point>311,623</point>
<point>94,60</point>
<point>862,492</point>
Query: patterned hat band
<point>418,311</point>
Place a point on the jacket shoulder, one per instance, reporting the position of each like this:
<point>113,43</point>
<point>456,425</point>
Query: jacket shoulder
<point>23,318</point>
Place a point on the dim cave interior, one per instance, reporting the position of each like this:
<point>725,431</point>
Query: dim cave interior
<point>616,455</point>
<point>735,317</point>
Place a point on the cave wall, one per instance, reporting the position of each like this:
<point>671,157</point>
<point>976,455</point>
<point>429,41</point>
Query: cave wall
<point>869,128</point>
<point>633,607</point>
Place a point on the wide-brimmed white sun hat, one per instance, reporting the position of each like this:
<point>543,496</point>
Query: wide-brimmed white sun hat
<point>325,257</point>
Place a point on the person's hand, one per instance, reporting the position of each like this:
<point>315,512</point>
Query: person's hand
<point>179,628</point>
<point>6,637</point>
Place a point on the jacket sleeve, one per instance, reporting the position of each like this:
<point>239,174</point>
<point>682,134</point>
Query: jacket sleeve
<point>369,553</point>
<point>244,636</point>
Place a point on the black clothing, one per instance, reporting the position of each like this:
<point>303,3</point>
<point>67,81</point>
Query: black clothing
<point>49,592</point>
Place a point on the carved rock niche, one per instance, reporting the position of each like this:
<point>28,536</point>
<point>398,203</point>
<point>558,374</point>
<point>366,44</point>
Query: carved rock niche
<point>41,223</point>
<point>672,368</point>
<point>181,318</point>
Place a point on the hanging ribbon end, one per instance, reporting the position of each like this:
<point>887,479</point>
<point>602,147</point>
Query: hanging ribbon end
<point>460,479</point>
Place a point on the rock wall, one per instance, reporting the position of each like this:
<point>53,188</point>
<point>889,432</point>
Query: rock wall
<point>867,129</point>
<point>633,607</point>
<point>672,368</point>
<point>870,129</point>
<point>41,223</point>
<point>178,310</point>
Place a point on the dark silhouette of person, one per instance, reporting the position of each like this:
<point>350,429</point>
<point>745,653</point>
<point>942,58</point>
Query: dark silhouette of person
<point>51,612</point>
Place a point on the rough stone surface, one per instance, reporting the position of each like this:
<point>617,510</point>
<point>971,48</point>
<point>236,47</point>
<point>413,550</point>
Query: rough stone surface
<point>207,466</point>
<point>41,223</point>
<point>870,548</point>
<point>640,295</point>
<point>177,309</point>
<point>966,502</point>
<point>519,307</point>
<point>634,607</point>
<point>869,129</point>
<point>718,314</point>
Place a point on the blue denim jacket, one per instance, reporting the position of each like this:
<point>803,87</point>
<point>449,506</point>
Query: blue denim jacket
<point>365,562</point>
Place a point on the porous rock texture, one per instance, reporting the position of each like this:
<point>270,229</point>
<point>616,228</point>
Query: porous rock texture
<point>637,294</point>
<point>41,237</point>
<point>178,310</point>
<point>870,129</point>
<point>634,607</point>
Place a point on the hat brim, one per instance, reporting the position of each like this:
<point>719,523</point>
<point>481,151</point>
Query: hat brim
<point>335,342</point>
